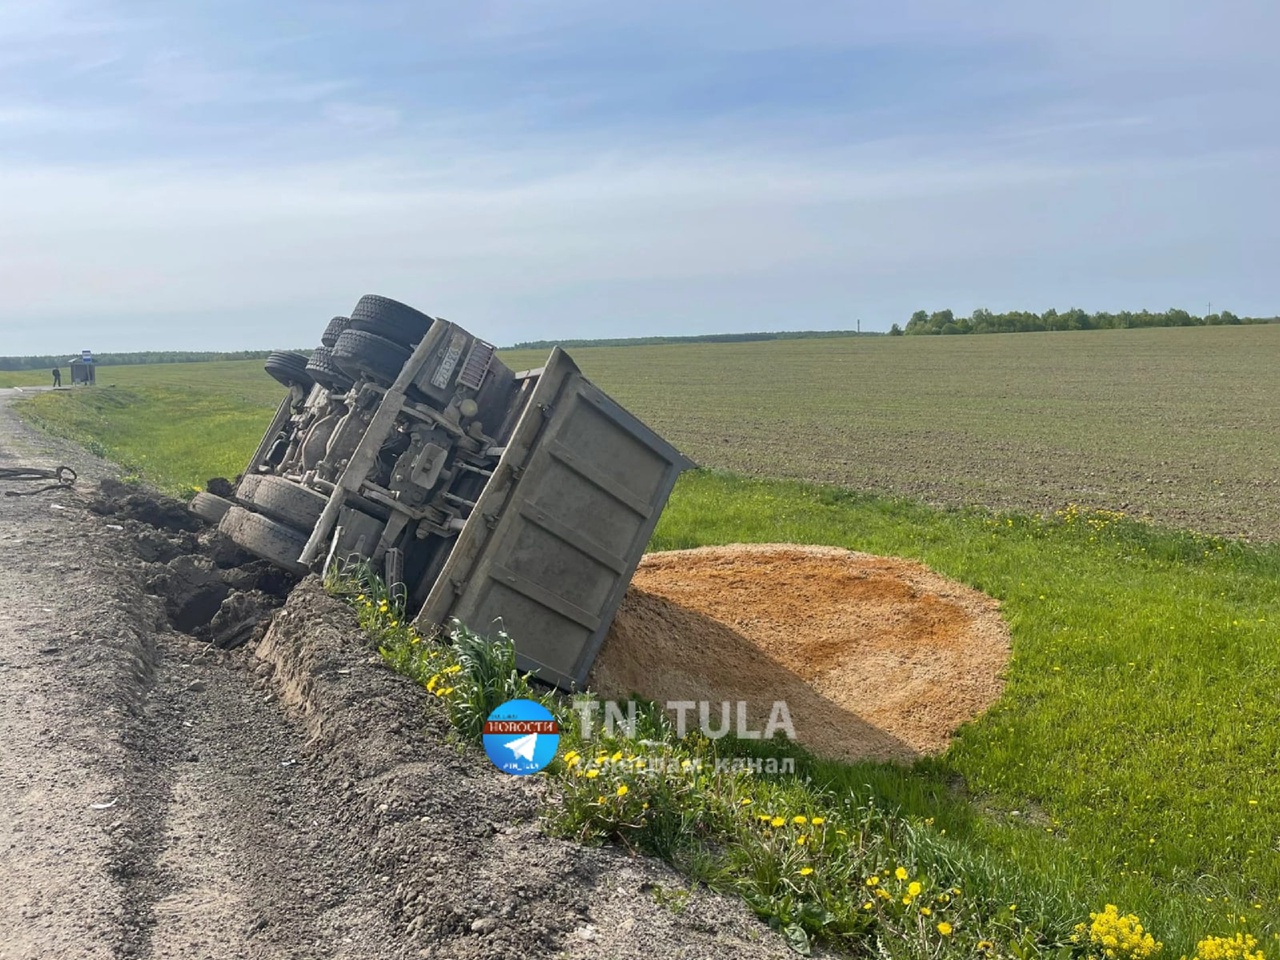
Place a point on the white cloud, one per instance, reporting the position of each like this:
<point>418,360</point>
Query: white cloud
<point>757,244</point>
<point>180,195</point>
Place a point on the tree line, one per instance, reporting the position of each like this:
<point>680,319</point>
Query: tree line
<point>1022,321</point>
<point>49,361</point>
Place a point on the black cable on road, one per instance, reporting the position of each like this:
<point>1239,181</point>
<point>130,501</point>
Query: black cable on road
<point>64,476</point>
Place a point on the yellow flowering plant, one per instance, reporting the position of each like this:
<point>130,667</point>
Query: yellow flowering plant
<point>1240,947</point>
<point>1116,936</point>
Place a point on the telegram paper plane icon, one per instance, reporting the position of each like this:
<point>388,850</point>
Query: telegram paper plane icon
<point>523,747</point>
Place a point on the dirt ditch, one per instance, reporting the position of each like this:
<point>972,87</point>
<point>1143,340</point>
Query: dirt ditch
<point>875,657</point>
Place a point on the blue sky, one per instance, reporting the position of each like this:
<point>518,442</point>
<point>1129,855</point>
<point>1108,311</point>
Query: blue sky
<point>229,175</point>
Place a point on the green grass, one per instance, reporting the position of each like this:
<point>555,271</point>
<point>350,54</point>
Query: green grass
<point>30,378</point>
<point>1136,739</point>
<point>1141,714</point>
<point>1139,731</point>
<point>175,425</point>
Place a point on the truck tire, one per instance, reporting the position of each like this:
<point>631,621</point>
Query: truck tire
<point>265,538</point>
<point>209,506</point>
<point>248,483</point>
<point>391,319</point>
<point>289,502</point>
<point>288,369</point>
<point>335,327</point>
<point>326,373</point>
<point>359,353</point>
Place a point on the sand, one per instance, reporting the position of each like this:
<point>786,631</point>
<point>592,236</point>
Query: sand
<point>876,658</point>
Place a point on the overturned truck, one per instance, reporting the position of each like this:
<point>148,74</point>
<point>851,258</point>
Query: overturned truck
<point>484,494</point>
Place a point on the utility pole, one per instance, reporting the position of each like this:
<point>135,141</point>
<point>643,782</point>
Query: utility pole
<point>859,325</point>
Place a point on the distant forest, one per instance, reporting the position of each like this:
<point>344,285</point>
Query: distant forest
<point>117,359</point>
<point>700,338</point>
<point>921,323</point>
<point>1018,321</point>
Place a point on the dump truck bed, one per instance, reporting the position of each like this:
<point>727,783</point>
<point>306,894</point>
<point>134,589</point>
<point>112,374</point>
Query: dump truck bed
<point>557,533</point>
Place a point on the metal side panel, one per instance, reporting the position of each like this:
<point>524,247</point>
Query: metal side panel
<point>557,533</point>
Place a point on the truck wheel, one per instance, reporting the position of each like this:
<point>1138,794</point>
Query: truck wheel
<point>360,353</point>
<point>289,502</point>
<point>288,369</point>
<point>248,483</point>
<point>335,327</point>
<point>324,372</point>
<point>265,538</point>
<point>209,506</point>
<point>391,319</point>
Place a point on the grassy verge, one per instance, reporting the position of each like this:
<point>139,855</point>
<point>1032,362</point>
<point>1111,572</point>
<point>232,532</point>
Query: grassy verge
<point>828,853</point>
<point>173,438</point>
<point>1132,757</point>
<point>30,378</point>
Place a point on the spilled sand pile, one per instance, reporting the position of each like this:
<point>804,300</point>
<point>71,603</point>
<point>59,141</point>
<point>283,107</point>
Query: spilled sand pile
<point>875,657</point>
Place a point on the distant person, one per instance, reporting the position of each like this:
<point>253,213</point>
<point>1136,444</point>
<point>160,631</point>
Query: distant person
<point>57,377</point>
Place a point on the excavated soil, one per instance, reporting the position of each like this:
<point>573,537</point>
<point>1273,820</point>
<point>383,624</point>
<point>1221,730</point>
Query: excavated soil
<point>876,658</point>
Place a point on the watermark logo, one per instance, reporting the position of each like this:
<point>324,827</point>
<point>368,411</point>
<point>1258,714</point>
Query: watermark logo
<point>521,737</point>
<point>714,720</point>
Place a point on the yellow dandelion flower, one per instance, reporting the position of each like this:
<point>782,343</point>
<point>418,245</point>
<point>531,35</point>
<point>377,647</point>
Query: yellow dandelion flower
<point>805,871</point>
<point>616,757</point>
<point>622,789</point>
<point>818,821</point>
<point>872,881</point>
<point>926,912</point>
<point>802,839</point>
<point>944,928</point>
<point>800,820</point>
<point>592,774</point>
<point>901,873</point>
<point>745,801</point>
<point>915,889</point>
<point>776,822</point>
<point>868,905</point>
